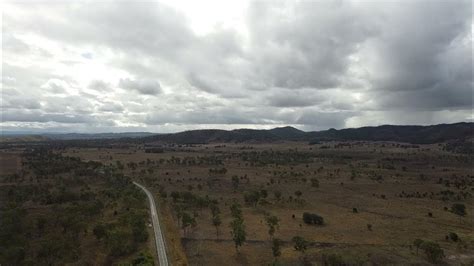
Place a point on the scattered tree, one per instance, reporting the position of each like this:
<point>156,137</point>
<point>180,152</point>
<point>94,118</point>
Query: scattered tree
<point>237,226</point>
<point>433,251</point>
<point>312,218</point>
<point>235,182</point>
<point>272,223</point>
<point>300,244</point>
<point>186,221</point>
<point>459,209</point>
<point>453,236</point>
<point>216,221</point>
<point>417,243</point>
<point>314,182</point>
<point>99,231</point>
<point>276,248</point>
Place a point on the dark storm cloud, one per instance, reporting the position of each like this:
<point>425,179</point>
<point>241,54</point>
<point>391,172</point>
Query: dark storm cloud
<point>425,61</point>
<point>289,98</point>
<point>414,46</point>
<point>201,84</point>
<point>211,116</point>
<point>314,119</point>
<point>316,64</point>
<point>302,44</point>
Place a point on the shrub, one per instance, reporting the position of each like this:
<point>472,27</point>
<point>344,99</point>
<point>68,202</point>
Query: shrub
<point>459,209</point>
<point>252,197</point>
<point>453,236</point>
<point>276,247</point>
<point>417,243</point>
<point>314,182</point>
<point>300,244</point>
<point>312,218</point>
<point>433,251</point>
<point>99,231</point>
<point>333,260</point>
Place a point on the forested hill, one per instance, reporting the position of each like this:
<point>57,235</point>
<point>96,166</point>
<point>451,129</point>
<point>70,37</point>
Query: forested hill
<point>409,134</point>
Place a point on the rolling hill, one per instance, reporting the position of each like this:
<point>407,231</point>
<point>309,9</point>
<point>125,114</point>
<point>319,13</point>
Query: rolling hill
<point>409,134</point>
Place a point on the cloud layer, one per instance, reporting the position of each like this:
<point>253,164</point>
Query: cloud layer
<point>123,66</point>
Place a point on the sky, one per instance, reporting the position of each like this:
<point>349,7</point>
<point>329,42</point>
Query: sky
<point>168,66</point>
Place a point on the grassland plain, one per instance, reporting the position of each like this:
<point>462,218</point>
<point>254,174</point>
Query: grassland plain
<point>376,198</point>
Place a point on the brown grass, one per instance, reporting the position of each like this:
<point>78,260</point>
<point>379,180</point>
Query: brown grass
<point>395,221</point>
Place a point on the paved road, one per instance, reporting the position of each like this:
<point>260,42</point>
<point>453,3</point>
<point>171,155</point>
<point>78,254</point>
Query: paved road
<point>160,243</point>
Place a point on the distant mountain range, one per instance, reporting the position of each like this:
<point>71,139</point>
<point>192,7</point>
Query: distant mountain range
<point>408,134</point>
<point>29,136</point>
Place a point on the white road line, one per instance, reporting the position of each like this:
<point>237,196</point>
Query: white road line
<point>159,241</point>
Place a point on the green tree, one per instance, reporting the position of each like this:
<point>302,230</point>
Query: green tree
<point>459,209</point>
<point>237,226</point>
<point>453,236</point>
<point>13,255</point>
<point>314,182</point>
<point>216,221</point>
<point>300,244</point>
<point>186,221</point>
<point>276,248</point>
<point>40,224</point>
<point>252,197</point>
<point>298,194</point>
<point>117,242</point>
<point>417,243</point>
<point>277,195</point>
<point>433,251</point>
<point>143,259</point>
<point>312,218</point>
<point>272,223</point>
<point>235,182</point>
<point>236,211</point>
<point>99,231</point>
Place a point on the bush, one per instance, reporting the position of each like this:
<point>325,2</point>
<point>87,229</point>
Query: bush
<point>99,231</point>
<point>143,259</point>
<point>453,236</point>
<point>314,182</point>
<point>417,243</point>
<point>333,260</point>
<point>459,209</point>
<point>433,251</point>
<point>252,197</point>
<point>312,218</point>
<point>300,244</point>
<point>116,242</point>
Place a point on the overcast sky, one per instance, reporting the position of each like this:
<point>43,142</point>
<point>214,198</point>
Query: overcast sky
<point>89,66</point>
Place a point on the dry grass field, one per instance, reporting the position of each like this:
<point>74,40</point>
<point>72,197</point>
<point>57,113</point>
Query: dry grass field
<point>402,192</point>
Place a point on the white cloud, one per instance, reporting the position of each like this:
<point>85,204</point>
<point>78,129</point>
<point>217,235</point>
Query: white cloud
<point>180,65</point>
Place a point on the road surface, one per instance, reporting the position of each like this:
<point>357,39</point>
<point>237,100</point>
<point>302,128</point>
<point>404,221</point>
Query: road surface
<point>160,243</point>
